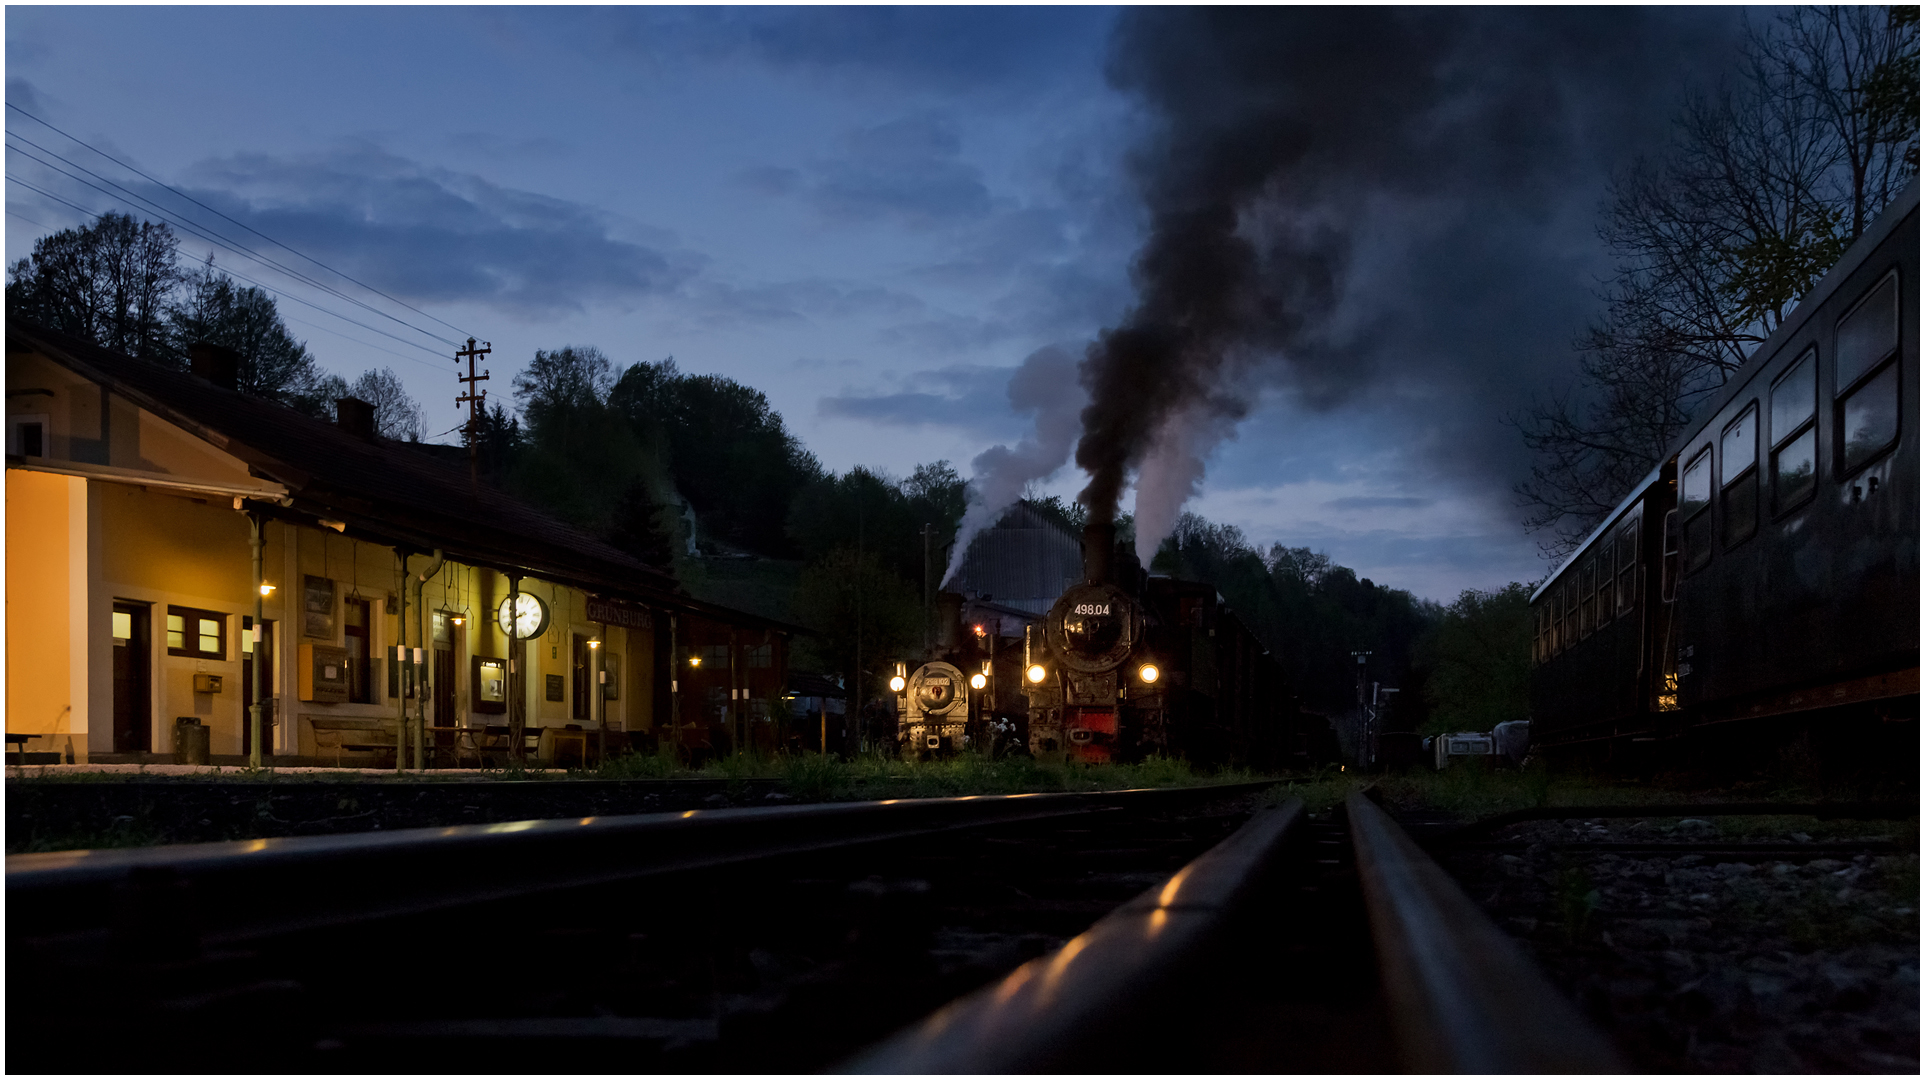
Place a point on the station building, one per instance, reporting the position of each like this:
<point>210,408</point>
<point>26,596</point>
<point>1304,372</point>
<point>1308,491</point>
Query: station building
<point>138,499</point>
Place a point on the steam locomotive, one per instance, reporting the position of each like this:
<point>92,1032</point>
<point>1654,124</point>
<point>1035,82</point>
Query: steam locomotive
<point>1126,665</point>
<point>1768,567</point>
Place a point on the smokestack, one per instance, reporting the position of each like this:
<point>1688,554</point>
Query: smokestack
<point>1099,549</point>
<point>215,363</point>
<point>354,416</point>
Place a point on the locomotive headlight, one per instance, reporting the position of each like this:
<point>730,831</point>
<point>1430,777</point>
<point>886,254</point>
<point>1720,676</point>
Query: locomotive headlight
<point>896,683</point>
<point>1148,673</point>
<point>1036,673</point>
<point>977,682</point>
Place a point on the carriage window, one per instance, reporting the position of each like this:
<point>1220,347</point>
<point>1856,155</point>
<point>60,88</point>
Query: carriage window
<point>1868,411</point>
<point>1868,334</point>
<point>1737,454</point>
<point>1870,420</point>
<point>1604,563</point>
<point>1794,434</point>
<point>1627,564</point>
<point>1589,597</point>
<point>1694,494</point>
<point>1557,620</point>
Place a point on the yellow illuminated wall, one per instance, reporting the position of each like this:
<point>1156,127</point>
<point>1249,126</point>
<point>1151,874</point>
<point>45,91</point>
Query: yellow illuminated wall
<point>46,620</point>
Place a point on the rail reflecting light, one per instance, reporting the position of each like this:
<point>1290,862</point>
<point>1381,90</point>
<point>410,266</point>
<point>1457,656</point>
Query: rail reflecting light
<point>1036,673</point>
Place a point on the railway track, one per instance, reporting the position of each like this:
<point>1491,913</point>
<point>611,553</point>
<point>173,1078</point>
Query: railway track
<point>1133,931</point>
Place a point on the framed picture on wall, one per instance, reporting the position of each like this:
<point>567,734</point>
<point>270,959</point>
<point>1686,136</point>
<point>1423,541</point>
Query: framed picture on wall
<point>317,607</point>
<point>490,691</point>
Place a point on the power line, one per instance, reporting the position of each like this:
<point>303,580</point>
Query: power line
<point>252,281</point>
<point>203,232</point>
<point>243,225</point>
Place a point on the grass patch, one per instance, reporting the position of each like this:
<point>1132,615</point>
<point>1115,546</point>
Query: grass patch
<point>816,778</point>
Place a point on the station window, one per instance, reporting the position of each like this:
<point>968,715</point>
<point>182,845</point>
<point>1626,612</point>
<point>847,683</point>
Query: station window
<point>1573,613</point>
<point>1867,383</point>
<point>1738,466</point>
<point>192,632</point>
<point>715,657</point>
<point>1794,434</point>
<point>1628,564</point>
<point>1694,498</point>
<point>760,656</point>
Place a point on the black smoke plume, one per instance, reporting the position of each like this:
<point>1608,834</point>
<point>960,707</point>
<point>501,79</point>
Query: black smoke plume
<point>1276,137</point>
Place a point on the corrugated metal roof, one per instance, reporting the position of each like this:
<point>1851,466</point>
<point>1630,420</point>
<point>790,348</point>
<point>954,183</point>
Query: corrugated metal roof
<point>1024,562</point>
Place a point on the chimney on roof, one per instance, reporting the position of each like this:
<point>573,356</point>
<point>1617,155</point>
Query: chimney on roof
<point>356,417</point>
<point>217,364</point>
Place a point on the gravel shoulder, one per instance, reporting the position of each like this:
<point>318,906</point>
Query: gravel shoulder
<point>1721,962</point>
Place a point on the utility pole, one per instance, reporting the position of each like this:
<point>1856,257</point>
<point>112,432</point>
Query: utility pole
<point>1363,711</point>
<point>477,402</point>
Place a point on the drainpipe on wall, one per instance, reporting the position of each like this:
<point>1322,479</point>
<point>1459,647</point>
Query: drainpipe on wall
<point>255,529</point>
<point>421,635</point>
<point>400,653</point>
<point>517,720</point>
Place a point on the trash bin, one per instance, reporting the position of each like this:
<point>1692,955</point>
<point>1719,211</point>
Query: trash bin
<point>190,740</point>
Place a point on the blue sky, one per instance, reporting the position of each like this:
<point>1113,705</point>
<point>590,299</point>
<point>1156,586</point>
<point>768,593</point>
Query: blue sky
<point>873,215</point>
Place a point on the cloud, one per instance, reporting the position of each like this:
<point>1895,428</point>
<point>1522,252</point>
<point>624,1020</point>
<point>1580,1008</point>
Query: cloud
<point>984,50</point>
<point>969,398</point>
<point>909,170</point>
<point>1380,502</point>
<point>432,234</point>
<point>20,93</point>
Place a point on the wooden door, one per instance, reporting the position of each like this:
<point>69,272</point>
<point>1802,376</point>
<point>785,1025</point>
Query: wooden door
<point>133,726</point>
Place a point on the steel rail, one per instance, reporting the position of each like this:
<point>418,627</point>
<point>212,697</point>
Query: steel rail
<point>1090,996</point>
<point>222,893</point>
<point>1463,996</point>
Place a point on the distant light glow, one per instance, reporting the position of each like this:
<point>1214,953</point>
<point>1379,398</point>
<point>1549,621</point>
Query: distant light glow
<point>977,682</point>
<point>896,683</point>
<point>1036,673</point>
<point>1148,673</point>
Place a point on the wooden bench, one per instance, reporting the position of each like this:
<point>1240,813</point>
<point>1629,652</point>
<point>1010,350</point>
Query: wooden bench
<point>357,733</point>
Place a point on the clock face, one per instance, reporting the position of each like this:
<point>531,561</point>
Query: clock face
<point>530,616</point>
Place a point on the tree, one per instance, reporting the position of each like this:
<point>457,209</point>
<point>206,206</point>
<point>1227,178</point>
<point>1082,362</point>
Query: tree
<point>1768,179</point>
<point>859,608</point>
<point>210,307</point>
<point>727,449</point>
<point>396,414</point>
<point>108,282</point>
<point>643,526</point>
<point>1477,660</point>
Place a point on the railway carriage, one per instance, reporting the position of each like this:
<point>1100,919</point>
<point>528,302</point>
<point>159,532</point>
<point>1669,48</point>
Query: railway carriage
<point>1769,565</point>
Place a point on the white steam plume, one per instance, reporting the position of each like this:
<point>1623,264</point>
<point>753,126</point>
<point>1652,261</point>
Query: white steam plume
<point>1172,472</point>
<point>1044,384</point>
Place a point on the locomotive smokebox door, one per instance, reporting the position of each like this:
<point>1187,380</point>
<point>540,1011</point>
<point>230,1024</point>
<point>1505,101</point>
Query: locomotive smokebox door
<point>936,709</point>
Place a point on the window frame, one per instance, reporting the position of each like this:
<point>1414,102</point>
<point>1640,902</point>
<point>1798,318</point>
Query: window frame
<point>1747,474</point>
<point>1781,441</point>
<point>1691,561</point>
<point>193,616</point>
<point>1843,392</point>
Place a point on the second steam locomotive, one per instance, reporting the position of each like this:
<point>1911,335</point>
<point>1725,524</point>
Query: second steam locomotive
<point>1130,665</point>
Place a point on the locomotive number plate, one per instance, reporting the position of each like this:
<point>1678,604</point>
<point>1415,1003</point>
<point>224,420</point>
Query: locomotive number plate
<point>1092,609</point>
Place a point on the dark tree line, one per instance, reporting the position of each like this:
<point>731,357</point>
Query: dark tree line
<point>1768,178</point>
<point>120,284</point>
